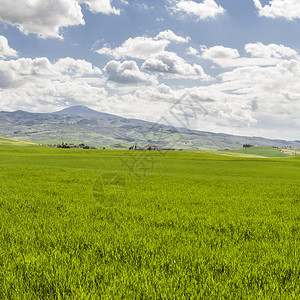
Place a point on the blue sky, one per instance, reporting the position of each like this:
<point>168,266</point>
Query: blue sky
<point>223,66</point>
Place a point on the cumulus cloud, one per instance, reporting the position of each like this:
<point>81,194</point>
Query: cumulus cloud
<point>289,9</point>
<point>249,100</point>
<point>41,16</point>
<point>46,18</point>
<point>195,108</point>
<point>76,67</point>
<point>139,47</point>
<point>219,52</point>
<point>5,50</point>
<point>38,84</point>
<point>50,95</point>
<point>160,92</point>
<point>171,36</point>
<point>269,51</point>
<point>282,77</point>
<point>206,9</point>
<point>15,73</point>
<point>260,55</point>
<point>223,56</point>
<point>142,47</point>
<point>126,73</point>
<point>192,51</point>
<point>101,6</point>
<point>269,94</point>
<point>171,65</point>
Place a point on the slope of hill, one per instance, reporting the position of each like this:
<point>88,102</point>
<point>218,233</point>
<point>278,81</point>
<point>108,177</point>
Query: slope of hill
<point>116,132</point>
<point>9,142</point>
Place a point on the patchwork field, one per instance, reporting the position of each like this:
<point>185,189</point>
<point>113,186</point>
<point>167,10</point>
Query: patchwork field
<point>96,224</point>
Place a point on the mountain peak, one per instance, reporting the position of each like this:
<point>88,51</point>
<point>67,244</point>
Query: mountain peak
<point>84,111</point>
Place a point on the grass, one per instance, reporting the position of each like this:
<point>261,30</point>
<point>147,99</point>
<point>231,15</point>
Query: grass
<point>9,142</point>
<point>292,152</point>
<point>76,224</point>
<point>260,151</point>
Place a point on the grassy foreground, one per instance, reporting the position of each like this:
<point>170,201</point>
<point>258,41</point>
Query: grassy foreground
<point>92,224</point>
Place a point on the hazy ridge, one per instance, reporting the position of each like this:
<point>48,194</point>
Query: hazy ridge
<point>80,124</point>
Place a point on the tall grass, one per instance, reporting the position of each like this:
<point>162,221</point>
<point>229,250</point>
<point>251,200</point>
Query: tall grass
<point>77,225</point>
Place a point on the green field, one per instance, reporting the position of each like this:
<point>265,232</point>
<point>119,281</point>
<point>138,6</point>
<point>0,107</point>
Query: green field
<point>261,151</point>
<point>92,224</point>
<point>7,142</point>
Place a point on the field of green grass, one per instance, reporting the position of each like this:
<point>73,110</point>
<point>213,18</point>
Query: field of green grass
<point>261,151</point>
<point>97,224</point>
<point>8,142</point>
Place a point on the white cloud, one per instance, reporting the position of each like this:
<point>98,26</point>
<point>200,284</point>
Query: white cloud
<point>224,57</point>
<point>220,53</point>
<point>206,9</point>
<point>50,95</point>
<point>143,6</point>
<point>171,36</point>
<point>171,65</point>
<point>41,16</point>
<point>269,51</point>
<point>15,73</point>
<point>101,6</point>
<point>47,18</point>
<point>196,108</point>
<point>289,9</point>
<point>126,72</point>
<point>270,94</point>
<point>261,55</point>
<point>139,47</point>
<point>259,96</point>
<point>282,77</point>
<point>249,100</point>
<point>148,103</point>
<point>192,51</point>
<point>38,84</point>
<point>5,50</point>
<point>76,68</point>
<point>142,47</point>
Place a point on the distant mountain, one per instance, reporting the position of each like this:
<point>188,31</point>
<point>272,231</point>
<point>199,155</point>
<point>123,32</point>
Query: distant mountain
<point>84,111</point>
<point>80,124</point>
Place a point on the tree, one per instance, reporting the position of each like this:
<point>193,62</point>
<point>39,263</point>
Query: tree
<point>247,146</point>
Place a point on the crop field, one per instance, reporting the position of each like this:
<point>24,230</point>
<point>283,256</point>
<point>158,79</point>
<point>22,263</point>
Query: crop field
<point>99,224</point>
<point>261,151</point>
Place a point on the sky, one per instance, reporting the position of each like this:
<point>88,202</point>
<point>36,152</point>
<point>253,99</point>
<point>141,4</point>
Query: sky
<point>227,66</point>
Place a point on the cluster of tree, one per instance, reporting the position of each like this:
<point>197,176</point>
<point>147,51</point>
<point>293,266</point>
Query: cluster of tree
<point>66,145</point>
<point>247,146</point>
<point>152,148</point>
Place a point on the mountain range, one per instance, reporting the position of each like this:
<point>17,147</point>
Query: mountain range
<point>80,124</point>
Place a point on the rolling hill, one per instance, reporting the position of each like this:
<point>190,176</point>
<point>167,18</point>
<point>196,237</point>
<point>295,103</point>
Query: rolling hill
<point>9,142</point>
<point>82,125</point>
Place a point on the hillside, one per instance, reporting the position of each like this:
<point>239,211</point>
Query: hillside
<point>75,125</point>
<point>9,142</point>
